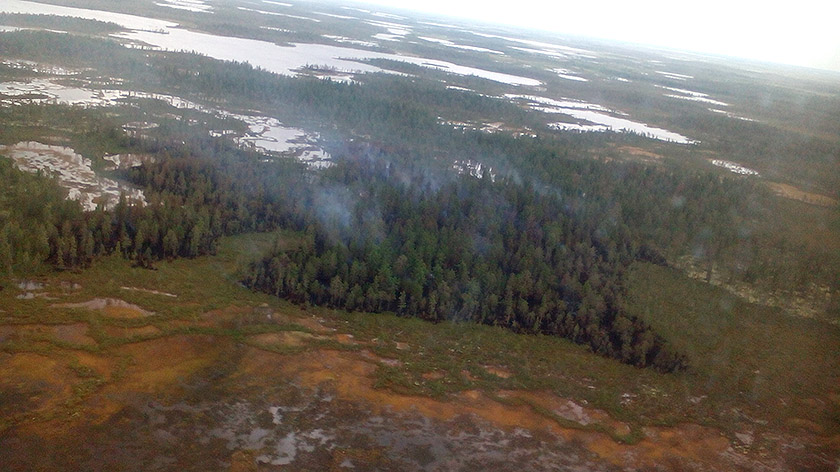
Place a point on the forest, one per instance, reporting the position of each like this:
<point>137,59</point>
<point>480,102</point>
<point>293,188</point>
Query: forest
<point>543,248</point>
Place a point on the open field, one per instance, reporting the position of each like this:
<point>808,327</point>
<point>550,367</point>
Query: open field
<point>261,381</point>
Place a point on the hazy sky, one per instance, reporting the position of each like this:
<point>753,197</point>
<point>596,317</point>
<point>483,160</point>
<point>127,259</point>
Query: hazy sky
<point>804,32</point>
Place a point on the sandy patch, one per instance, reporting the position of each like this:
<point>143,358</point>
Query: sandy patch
<point>285,338</point>
<point>153,292</point>
<point>497,371</point>
<point>433,375</point>
<point>346,339</point>
<point>112,307</point>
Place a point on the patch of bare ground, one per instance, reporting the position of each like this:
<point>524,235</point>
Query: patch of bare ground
<point>31,384</point>
<point>350,376</point>
<point>164,362</point>
<point>569,410</point>
<point>367,355</point>
<point>497,371</point>
<point>793,193</point>
<point>433,375</point>
<point>137,332</point>
<point>314,324</point>
<point>283,338</point>
<point>346,339</point>
<point>74,334</point>
<point>111,307</point>
<point>236,316</point>
<point>639,152</point>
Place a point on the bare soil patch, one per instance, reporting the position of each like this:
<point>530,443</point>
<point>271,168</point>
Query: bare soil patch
<point>284,338</point>
<point>789,191</point>
<point>120,332</point>
<point>498,371</point>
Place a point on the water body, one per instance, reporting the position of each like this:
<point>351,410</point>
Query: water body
<point>597,118</point>
<point>166,35</point>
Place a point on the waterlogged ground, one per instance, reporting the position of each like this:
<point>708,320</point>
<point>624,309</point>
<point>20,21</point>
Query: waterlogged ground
<point>181,369</point>
<point>73,172</point>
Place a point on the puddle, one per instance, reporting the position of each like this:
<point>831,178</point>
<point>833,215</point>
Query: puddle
<point>598,117</point>
<point>733,167</point>
<point>333,15</point>
<point>73,172</point>
<point>396,31</point>
<point>568,75</point>
<point>674,76</point>
<point>196,6</point>
<point>549,49</point>
<point>693,96</point>
<point>346,40</point>
<point>448,43</point>
<point>274,13</point>
<point>730,114</point>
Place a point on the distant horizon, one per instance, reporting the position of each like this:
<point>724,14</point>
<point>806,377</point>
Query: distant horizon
<point>809,39</point>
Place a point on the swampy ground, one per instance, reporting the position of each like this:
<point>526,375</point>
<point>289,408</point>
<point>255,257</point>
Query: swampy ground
<point>181,368</point>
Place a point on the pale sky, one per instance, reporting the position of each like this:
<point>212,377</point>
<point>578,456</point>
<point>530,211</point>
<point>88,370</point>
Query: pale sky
<point>804,32</point>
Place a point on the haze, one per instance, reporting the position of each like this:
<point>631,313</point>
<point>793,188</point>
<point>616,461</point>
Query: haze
<point>801,33</point>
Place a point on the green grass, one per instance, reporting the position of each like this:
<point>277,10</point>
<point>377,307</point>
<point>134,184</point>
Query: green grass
<point>745,356</point>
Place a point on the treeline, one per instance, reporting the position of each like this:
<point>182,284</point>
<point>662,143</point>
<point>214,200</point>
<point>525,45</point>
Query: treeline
<point>38,225</point>
<point>473,250</point>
